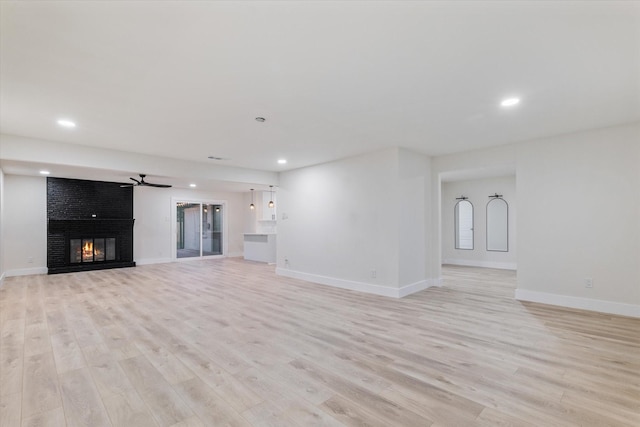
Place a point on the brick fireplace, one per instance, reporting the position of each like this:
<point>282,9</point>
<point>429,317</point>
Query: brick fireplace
<point>90,225</point>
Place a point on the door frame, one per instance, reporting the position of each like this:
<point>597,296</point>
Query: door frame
<point>174,227</point>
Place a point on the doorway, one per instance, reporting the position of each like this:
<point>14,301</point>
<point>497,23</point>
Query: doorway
<point>473,232</point>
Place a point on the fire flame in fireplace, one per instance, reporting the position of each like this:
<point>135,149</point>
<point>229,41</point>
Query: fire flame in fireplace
<point>87,250</point>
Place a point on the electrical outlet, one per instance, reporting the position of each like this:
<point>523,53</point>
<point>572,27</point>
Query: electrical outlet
<point>374,274</point>
<point>588,282</point>
<point>30,260</point>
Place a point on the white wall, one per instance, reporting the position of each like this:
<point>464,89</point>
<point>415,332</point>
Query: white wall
<point>578,215</point>
<point>414,213</point>
<point>1,226</point>
<point>348,223</point>
<point>478,191</point>
<point>24,224</point>
<point>152,210</point>
<point>579,210</point>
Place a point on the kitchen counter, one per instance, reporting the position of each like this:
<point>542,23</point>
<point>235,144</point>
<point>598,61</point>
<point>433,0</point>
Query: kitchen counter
<point>260,247</point>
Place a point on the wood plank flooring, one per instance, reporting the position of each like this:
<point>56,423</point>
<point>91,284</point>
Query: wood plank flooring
<point>229,343</point>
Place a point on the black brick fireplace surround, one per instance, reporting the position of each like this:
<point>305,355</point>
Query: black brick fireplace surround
<point>89,226</point>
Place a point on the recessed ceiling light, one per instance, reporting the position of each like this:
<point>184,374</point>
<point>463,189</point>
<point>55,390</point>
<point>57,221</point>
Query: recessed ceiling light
<point>66,123</point>
<point>43,172</point>
<point>260,119</point>
<point>510,102</point>
<point>192,185</point>
<point>282,161</point>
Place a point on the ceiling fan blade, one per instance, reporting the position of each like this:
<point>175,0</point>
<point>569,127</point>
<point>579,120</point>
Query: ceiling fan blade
<point>133,179</point>
<point>127,185</point>
<point>156,185</point>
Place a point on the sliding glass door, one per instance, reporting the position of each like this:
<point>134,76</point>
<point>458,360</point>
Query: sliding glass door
<point>212,230</point>
<point>199,229</point>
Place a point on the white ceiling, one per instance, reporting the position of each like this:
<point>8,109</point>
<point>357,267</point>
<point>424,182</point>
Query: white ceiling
<point>186,79</point>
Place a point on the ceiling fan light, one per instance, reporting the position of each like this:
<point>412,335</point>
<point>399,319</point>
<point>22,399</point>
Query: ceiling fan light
<point>271,204</point>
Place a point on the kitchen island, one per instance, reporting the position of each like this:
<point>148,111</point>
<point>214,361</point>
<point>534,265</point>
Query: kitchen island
<point>260,247</point>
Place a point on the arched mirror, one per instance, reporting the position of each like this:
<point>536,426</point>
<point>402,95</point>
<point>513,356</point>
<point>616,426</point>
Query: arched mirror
<point>497,225</point>
<point>464,224</point>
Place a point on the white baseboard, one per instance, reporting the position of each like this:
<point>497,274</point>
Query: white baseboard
<point>26,271</point>
<point>484,264</point>
<point>1,279</point>
<point>359,286</point>
<point>147,261</point>
<point>415,287</point>
<point>601,306</point>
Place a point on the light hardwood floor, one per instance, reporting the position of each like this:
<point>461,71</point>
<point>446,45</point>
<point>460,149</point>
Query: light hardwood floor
<point>228,343</point>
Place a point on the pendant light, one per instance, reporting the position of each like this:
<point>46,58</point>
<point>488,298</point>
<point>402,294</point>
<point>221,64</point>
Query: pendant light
<point>271,204</point>
<point>252,206</point>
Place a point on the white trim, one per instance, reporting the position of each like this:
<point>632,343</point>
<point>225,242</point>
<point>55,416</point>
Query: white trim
<point>1,279</point>
<point>415,287</point>
<point>26,271</point>
<point>358,286</point>
<point>198,258</point>
<point>147,261</point>
<point>235,254</point>
<point>609,307</point>
<point>485,264</point>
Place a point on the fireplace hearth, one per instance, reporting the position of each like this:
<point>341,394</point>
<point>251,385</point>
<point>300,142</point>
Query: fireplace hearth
<point>92,244</point>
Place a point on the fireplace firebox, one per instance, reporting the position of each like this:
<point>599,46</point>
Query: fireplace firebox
<point>92,249</point>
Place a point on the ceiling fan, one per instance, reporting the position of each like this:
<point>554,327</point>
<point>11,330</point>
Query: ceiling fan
<point>143,183</point>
